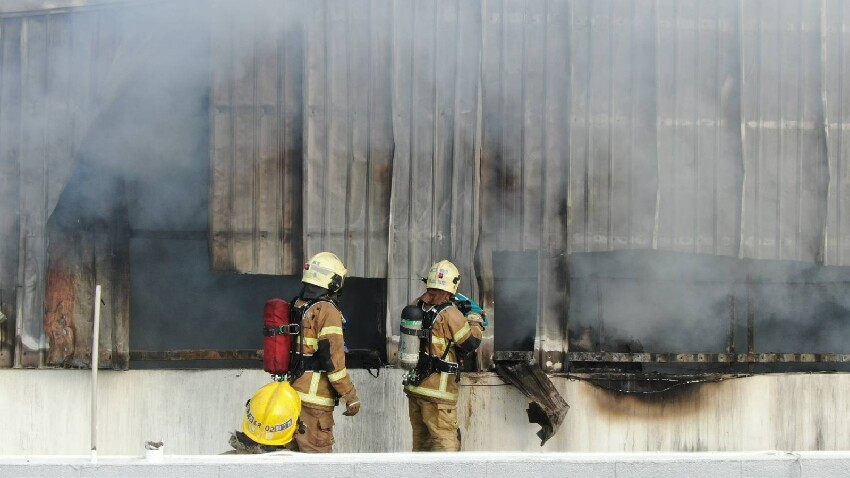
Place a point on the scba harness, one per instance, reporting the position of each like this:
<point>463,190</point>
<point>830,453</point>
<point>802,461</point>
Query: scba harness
<point>428,363</point>
<point>302,362</point>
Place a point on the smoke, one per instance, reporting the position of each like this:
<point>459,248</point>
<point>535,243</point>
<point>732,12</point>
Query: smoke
<point>603,126</point>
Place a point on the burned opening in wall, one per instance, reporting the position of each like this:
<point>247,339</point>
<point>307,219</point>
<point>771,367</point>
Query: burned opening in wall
<point>678,312</point>
<point>515,284</point>
<point>180,304</point>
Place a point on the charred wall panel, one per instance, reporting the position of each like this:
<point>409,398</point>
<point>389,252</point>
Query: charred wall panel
<point>10,57</point>
<point>613,175</point>
<point>433,205</point>
<point>348,134</point>
<point>256,110</point>
<point>835,66</point>
<point>785,174</point>
<point>699,146</point>
<point>525,91</point>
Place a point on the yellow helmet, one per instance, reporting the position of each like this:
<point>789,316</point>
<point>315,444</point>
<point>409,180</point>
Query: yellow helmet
<point>271,416</point>
<point>325,270</point>
<point>444,276</point>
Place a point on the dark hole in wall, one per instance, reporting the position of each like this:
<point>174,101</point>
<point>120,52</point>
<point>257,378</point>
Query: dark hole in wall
<point>515,291</point>
<point>668,302</point>
<point>179,303</point>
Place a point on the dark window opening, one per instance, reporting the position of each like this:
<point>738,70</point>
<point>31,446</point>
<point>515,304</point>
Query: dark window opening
<point>675,303</point>
<point>515,292</point>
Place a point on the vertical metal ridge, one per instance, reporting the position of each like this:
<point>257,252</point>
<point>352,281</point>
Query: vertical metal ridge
<point>633,113</point>
<point>232,163</point>
<point>780,136</point>
<point>256,112</point>
<point>674,160</point>
<point>346,240</point>
<point>798,219</point>
<point>588,236</point>
<point>840,149</point>
<point>718,142</point>
<point>744,169</point>
<point>696,180</point>
<point>280,181</point>
<point>367,259</point>
<point>760,139</point>
<point>522,109</point>
<point>824,243</point>
<point>610,123</point>
<point>411,140</point>
<point>327,126</point>
<point>435,91</point>
<point>656,227</point>
<point>502,222</point>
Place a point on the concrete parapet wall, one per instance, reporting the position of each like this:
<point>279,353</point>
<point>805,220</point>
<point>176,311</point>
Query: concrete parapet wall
<point>47,412</point>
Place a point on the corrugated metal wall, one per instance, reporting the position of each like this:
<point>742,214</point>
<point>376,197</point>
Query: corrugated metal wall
<point>565,126</point>
<point>49,94</point>
<point>835,33</point>
<point>396,133</point>
<point>256,114</point>
<point>58,74</point>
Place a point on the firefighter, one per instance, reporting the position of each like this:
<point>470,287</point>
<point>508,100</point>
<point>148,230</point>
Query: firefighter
<point>431,388</point>
<point>320,376</point>
<point>270,420</point>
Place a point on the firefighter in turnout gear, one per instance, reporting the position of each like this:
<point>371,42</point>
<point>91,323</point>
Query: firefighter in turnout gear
<point>319,373</point>
<point>432,388</point>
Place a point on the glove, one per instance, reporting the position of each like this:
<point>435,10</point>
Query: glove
<point>352,403</point>
<point>474,319</point>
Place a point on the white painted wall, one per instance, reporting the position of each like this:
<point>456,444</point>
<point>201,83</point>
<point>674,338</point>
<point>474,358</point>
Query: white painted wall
<point>47,412</point>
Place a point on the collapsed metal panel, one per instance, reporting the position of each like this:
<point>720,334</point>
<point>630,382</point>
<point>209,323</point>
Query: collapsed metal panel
<point>835,61</point>
<point>256,114</point>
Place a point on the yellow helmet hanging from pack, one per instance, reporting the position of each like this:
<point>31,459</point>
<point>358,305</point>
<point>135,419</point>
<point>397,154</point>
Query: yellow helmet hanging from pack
<point>271,416</point>
<point>444,276</point>
<point>325,270</point>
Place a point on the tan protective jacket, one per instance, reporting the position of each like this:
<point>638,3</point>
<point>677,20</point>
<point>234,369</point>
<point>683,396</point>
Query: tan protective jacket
<point>450,326</point>
<point>322,325</point>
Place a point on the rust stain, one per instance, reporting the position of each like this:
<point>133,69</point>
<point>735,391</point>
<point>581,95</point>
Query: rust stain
<point>59,311</point>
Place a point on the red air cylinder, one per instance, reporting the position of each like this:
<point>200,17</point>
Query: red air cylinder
<point>277,337</point>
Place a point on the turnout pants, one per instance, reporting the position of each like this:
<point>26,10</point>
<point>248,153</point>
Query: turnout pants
<point>434,425</point>
<point>318,436</point>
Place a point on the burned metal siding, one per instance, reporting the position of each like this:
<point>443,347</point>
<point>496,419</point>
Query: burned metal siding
<point>835,35</point>
<point>698,138</point>
<point>525,151</point>
<point>434,196</point>
<point>348,133</point>
<point>57,75</point>
<point>782,131</point>
<point>612,175</point>
<point>256,144</point>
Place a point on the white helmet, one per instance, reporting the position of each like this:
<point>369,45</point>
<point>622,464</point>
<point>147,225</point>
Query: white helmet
<point>444,276</point>
<point>325,270</point>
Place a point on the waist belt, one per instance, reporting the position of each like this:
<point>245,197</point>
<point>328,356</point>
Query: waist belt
<point>431,363</point>
<point>443,366</point>
<point>291,329</point>
<point>310,363</point>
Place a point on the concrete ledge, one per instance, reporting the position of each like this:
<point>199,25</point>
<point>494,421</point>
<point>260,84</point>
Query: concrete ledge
<point>772,464</point>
